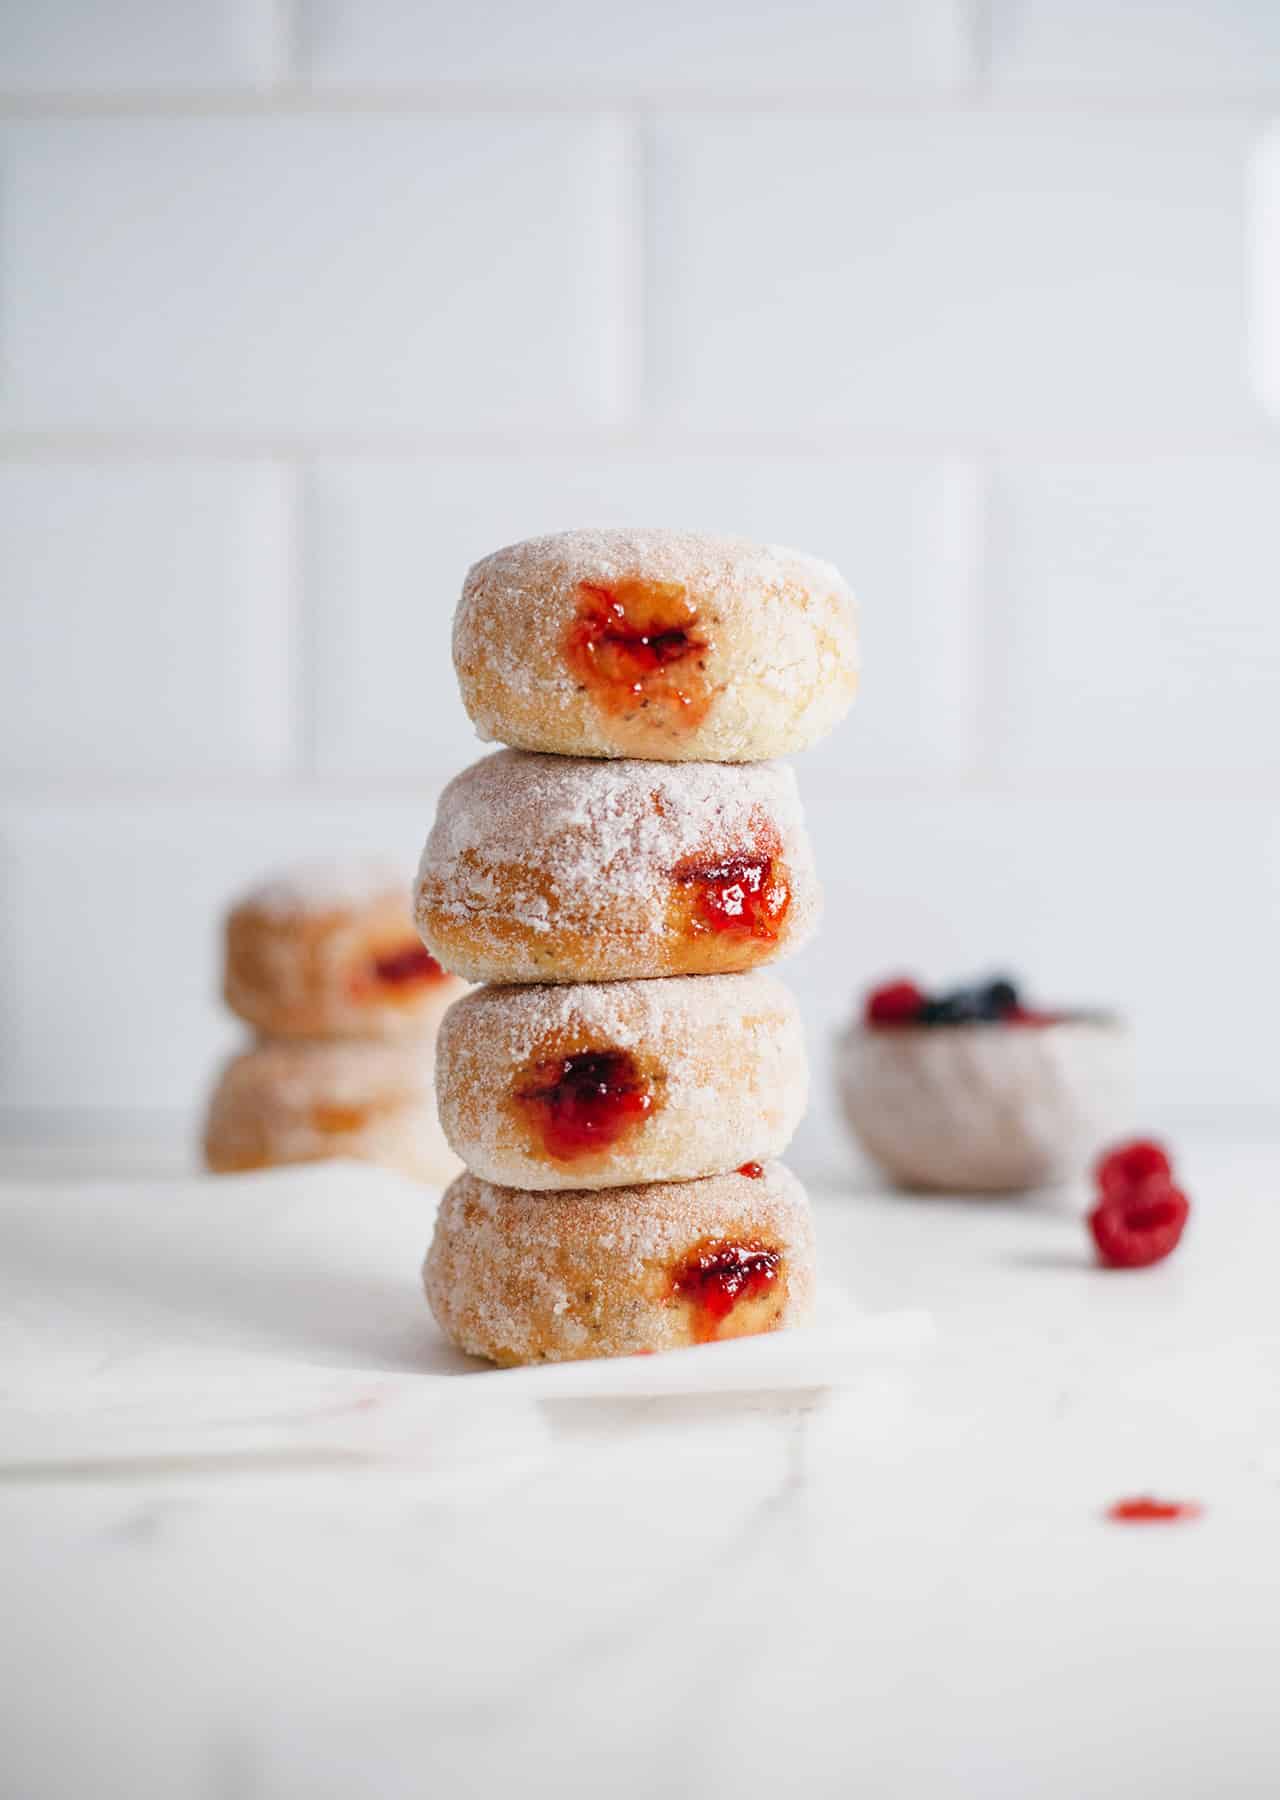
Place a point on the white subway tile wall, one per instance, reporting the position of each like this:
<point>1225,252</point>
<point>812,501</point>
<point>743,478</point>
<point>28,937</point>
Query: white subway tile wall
<point>712,45</point>
<point>304,306</point>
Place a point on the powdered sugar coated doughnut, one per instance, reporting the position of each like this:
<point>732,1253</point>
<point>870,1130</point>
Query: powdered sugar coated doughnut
<point>309,1101</point>
<point>557,868</point>
<point>607,1084</point>
<point>330,950</point>
<point>666,645</point>
<point>524,1277</point>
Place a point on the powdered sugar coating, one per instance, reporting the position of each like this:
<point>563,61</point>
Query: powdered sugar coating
<point>724,1053</point>
<point>522,1276</point>
<point>556,868</point>
<point>300,964</point>
<point>310,1101</point>
<point>329,886</point>
<point>780,663</point>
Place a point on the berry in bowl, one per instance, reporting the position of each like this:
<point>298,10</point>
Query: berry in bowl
<point>975,1091</point>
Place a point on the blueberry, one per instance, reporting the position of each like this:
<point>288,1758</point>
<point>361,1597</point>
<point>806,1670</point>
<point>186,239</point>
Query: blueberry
<point>958,1007</point>
<point>983,1002</point>
<point>1001,997</point>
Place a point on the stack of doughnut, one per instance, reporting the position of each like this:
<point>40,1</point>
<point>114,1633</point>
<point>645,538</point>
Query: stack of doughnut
<point>622,1085</point>
<point>324,964</point>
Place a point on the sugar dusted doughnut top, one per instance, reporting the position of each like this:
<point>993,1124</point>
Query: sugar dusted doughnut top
<point>560,868</point>
<point>665,645</point>
<point>321,888</point>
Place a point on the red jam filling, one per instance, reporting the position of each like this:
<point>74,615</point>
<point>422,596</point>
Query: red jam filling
<point>1143,1509</point>
<point>754,1169</point>
<point>585,1103</point>
<point>715,1276</point>
<point>637,645</point>
<point>403,968</point>
<point>747,895</point>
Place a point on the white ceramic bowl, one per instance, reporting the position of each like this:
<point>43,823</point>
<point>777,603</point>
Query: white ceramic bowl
<point>987,1107</point>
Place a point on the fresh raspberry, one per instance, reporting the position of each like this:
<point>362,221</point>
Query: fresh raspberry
<point>1118,1172</point>
<point>896,1003</point>
<point>1141,1226</point>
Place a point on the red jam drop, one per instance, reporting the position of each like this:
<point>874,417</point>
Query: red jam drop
<point>636,645</point>
<point>1143,1509</point>
<point>585,1103</point>
<point>404,968</point>
<point>754,1169</point>
<point>715,1276</point>
<point>746,895</point>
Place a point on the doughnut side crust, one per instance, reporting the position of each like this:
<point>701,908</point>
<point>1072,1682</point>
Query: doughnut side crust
<point>568,869</point>
<point>521,1277</point>
<point>669,646</point>
<point>621,1083</point>
<point>332,968</point>
<point>282,1103</point>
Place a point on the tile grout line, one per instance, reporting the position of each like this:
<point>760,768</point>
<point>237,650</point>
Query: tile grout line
<point>641,437</point>
<point>284,28</point>
<point>634,266</point>
<point>304,663</point>
<point>992,627</point>
<point>297,97</point>
<point>960,676</point>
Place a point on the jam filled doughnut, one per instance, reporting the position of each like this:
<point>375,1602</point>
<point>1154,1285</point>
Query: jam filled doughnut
<point>310,1101</point>
<point>667,645</point>
<point>622,1082</point>
<point>332,952</point>
<point>558,868</point>
<point>525,1277</point>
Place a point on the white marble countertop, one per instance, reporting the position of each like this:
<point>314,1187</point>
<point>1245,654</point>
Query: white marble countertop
<point>904,1587</point>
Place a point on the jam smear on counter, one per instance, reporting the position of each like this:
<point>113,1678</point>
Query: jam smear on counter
<point>716,1275</point>
<point>585,1103</point>
<point>1144,1509</point>
<point>636,644</point>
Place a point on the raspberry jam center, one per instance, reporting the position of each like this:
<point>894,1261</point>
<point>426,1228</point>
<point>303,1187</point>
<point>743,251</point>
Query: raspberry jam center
<point>716,1275</point>
<point>585,1103</point>
<point>404,968</point>
<point>636,645</point>
<point>754,1169</point>
<point>747,895</point>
